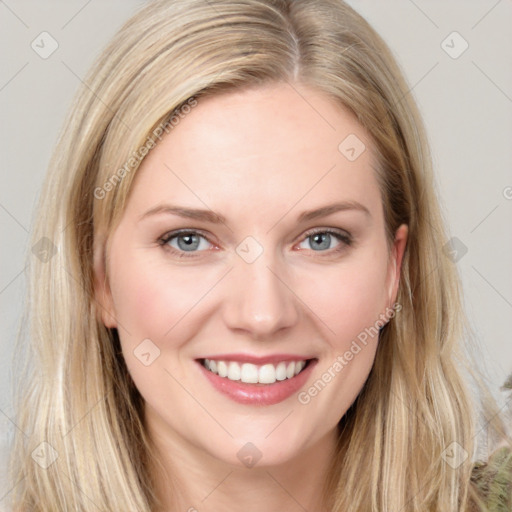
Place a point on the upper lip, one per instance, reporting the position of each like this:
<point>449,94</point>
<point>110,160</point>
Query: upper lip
<point>257,360</point>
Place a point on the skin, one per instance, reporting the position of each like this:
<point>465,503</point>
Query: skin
<point>259,157</point>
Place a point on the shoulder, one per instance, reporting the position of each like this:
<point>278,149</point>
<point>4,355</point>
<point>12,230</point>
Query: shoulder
<point>493,480</point>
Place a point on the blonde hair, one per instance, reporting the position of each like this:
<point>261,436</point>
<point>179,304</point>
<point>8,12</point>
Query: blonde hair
<point>77,395</point>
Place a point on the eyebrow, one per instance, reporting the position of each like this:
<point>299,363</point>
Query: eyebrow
<point>329,209</point>
<point>215,218</point>
<point>188,213</point>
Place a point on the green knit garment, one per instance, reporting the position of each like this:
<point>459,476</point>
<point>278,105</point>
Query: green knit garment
<point>493,479</point>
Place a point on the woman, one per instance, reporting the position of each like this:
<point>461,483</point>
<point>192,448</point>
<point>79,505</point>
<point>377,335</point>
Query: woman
<point>244,303</point>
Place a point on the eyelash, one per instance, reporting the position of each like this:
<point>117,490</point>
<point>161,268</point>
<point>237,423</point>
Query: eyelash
<point>344,237</point>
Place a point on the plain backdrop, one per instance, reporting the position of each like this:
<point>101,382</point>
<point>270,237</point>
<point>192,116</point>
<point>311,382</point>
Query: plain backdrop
<point>456,55</point>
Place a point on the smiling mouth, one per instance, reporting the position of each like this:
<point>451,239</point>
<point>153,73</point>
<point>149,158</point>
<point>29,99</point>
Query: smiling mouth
<point>249,373</point>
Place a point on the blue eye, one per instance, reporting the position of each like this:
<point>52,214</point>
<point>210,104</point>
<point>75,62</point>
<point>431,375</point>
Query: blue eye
<point>322,240</point>
<point>188,243</point>
<point>185,241</point>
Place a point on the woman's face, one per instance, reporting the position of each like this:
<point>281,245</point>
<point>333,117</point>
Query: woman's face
<point>282,258</point>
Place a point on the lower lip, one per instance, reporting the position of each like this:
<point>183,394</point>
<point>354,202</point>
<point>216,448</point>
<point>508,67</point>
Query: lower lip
<point>259,394</point>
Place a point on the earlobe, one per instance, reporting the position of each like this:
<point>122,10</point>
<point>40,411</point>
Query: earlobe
<point>102,292</point>
<point>397,254</point>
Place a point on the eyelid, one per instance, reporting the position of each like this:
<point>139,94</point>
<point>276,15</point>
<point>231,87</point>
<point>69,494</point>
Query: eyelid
<point>343,236</point>
<point>167,237</point>
<point>333,231</point>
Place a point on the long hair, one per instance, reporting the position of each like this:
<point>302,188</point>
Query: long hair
<point>82,443</point>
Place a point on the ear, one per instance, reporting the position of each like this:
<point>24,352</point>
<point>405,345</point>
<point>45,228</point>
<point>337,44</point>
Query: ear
<point>395,262</point>
<point>102,292</point>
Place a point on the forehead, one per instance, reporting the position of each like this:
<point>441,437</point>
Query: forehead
<point>277,144</point>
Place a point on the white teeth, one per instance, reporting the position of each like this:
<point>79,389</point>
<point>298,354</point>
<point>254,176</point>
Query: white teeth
<point>253,374</point>
<point>281,371</point>
<point>290,370</point>
<point>222,368</point>
<point>249,373</point>
<point>267,374</point>
<point>234,371</point>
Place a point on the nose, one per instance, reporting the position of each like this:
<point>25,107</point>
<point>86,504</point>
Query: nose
<point>259,301</point>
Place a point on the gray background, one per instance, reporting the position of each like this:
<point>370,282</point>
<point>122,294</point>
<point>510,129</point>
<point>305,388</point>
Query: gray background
<point>466,102</point>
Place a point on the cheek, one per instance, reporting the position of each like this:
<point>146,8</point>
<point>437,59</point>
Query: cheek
<point>149,299</point>
<point>152,306</point>
<point>349,297</point>
<point>349,300</point>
